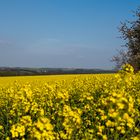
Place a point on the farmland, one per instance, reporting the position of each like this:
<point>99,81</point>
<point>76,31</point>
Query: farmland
<point>81,107</point>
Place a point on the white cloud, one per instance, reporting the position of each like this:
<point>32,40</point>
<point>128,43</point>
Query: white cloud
<point>4,43</point>
<point>53,40</point>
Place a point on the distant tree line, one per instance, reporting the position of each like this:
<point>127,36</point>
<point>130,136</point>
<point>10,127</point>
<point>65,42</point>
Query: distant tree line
<point>48,71</point>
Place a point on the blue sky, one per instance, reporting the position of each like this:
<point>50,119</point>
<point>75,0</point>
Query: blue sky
<point>62,33</point>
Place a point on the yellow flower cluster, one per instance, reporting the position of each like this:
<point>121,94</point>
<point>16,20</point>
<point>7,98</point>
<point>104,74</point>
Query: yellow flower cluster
<point>80,107</point>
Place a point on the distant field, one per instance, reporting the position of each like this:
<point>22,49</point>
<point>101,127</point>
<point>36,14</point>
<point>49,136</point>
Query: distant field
<point>50,78</point>
<point>82,107</point>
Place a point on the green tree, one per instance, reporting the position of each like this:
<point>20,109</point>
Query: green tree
<point>130,53</point>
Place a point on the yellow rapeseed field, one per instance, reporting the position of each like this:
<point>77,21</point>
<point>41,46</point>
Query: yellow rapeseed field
<point>71,107</point>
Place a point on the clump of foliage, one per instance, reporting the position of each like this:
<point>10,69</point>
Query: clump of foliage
<point>130,31</point>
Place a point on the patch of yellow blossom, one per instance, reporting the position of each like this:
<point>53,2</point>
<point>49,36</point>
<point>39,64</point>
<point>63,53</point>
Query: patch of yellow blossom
<point>102,106</point>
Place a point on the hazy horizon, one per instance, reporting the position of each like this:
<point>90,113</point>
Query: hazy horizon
<point>62,33</point>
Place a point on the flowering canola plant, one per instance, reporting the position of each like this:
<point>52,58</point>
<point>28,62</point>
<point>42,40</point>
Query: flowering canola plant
<point>82,107</point>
